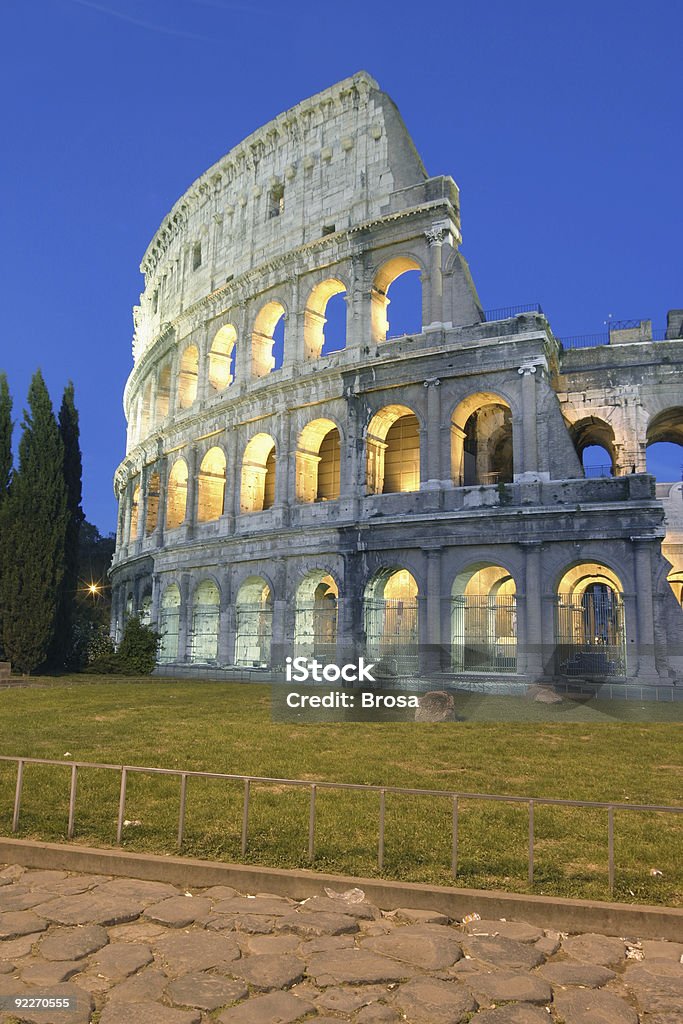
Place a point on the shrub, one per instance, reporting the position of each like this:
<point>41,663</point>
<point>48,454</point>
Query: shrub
<point>136,654</point>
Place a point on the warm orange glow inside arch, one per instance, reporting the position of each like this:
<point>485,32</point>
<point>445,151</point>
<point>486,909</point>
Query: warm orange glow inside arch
<point>176,503</point>
<point>221,358</point>
<point>318,462</point>
<point>314,315</point>
<point>384,278</point>
<point>393,451</point>
<point>257,491</point>
<point>262,359</point>
<point>578,578</point>
<point>188,377</point>
<point>211,486</point>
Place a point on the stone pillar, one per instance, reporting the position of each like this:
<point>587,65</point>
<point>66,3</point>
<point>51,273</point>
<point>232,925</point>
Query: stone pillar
<point>433,315</point>
<point>352,478</point>
<point>357,306</point>
<point>156,595</point>
<point>285,465</point>
<point>645,607</point>
<point>232,482</point>
<point>226,634</point>
<point>162,470</point>
<point>192,487</point>
<point>533,640</point>
<point>185,619</point>
<point>203,387</point>
<point>432,441</point>
<point>294,321</point>
<point>529,465</point>
<point>145,473</point>
<point>431,657</point>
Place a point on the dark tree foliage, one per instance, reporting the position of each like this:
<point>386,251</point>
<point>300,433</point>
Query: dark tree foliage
<point>62,646</point>
<point>33,524</point>
<point>92,612</point>
<point>5,436</point>
<point>136,654</point>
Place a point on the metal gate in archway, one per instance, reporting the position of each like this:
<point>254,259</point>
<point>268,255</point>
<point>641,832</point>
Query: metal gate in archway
<point>484,633</point>
<point>589,633</point>
<point>253,634</point>
<point>391,631</point>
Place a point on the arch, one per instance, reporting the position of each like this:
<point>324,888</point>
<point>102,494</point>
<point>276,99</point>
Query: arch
<point>163,399</point>
<point>205,622</point>
<point>134,514</point>
<point>176,503</point>
<point>318,460</point>
<point>481,441</point>
<point>153,491</point>
<point>211,485</point>
<point>263,357</point>
<point>384,278</point>
<point>315,616</point>
<point>145,609</point>
<point>484,619</point>
<point>390,614</point>
<point>592,436</point>
<point>664,431</point>
<point>590,634</point>
<point>675,580</point>
<point>393,451</point>
<point>222,358</point>
<point>253,623</point>
<point>315,338</point>
<point>188,377</point>
<point>257,491</point>
<point>169,624</point>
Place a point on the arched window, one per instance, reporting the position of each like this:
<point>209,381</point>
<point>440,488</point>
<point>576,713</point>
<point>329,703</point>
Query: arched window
<point>408,294</point>
<point>391,622</point>
<point>325,319</point>
<point>163,399</point>
<point>267,340</point>
<point>665,445</point>
<point>205,622</point>
<point>257,491</point>
<point>589,623</point>
<point>211,487</point>
<point>153,488</point>
<point>393,451</point>
<point>594,442</point>
<point>176,504</point>
<point>481,441</point>
<point>134,514</point>
<point>484,620</point>
<point>222,358</point>
<point>188,377</point>
<point>169,624</point>
<point>315,621</point>
<point>318,462</point>
<point>254,623</point>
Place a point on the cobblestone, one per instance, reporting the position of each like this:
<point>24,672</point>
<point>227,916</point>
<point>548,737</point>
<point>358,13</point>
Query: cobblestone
<point>138,952</point>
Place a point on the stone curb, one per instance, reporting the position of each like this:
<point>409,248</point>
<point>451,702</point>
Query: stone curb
<point>567,915</point>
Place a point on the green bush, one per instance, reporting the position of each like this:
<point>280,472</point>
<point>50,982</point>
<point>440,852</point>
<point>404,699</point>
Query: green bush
<point>136,654</point>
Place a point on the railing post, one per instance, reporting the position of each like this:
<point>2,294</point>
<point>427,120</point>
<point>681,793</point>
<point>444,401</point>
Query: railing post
<point>181,813</point>
<point>380,851</point>
<point>122,807</point>
<point>454,846</point>
<point>531,842</point>
<point>311,826</point>
<point>72,801</point>
<point>245,816</point>
<point>610,846</point>
<point>17,796</point>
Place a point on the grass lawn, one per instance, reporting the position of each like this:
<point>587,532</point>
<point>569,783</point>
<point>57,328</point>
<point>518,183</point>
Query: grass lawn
<point>226,727</point>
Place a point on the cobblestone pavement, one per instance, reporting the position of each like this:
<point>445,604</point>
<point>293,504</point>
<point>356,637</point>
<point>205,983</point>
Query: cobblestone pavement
<point>136,952</point>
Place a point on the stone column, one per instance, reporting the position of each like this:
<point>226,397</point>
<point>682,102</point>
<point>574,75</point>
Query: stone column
<point>432,445</point>
<point>431,659</point>
<point>192,487</point>
<point>145,473</point>
<point>156,594</point>
<point>226,634</point>
<point>533,640</point>
<point>232,482</point>
<point>294,320</point>
<point>185,619</point>
<point>529,428</point>
<point>433,315</point>
<point>357,306</point>
<point>645,607</point>
<point>162,470</point>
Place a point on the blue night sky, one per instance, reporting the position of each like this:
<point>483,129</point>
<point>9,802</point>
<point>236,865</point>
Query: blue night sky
<point>561,124</point>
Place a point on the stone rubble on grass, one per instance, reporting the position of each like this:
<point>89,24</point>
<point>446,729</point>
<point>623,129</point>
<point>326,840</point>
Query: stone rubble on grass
<point>140,952</point>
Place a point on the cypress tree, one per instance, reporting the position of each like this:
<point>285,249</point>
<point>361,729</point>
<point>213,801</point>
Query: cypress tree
<point>73,467</point>
<point>5,436</point>
<point>34,520</point>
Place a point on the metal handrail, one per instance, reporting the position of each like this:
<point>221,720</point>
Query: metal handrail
<point>313,787</point>
<point>506,312</point>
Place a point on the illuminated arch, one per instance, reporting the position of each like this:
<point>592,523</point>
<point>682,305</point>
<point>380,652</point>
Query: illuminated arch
<point>315,319</point>
<point>590,633</point>
<point>146,413</point>
<point>257,492</point>
<point>188,377</point>
<point>176,502</point>
<point>315,622</point>
<point>221,358</point>
<point>393,451</point>
<point>318,458</point>
<point>153,490</point>
<point>169,624</point>
<point>134,514</point>
<point>384,278</point>
<point>205,622</point>
<point>263,360</point>
<point>163,399</point>
<point>253,623</point>
<point>211,486</point>
<point>484,619</point>
<point>390,612</point>
<point>481,441</point>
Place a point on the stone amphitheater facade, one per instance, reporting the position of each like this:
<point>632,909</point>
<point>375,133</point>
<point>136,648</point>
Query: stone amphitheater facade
<point>417,498</point>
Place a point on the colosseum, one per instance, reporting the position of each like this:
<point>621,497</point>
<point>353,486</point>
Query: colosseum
<point>303,477</point>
